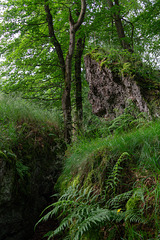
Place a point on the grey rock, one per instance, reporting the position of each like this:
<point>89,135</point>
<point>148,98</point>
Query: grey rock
<point>110,91</point>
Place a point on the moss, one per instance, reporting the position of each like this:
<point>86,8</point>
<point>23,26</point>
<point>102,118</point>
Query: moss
<point>75,181</point>
<point>91,172</point>
<point>90,179</point>
<point>133,203</point>
<point>127,64</point>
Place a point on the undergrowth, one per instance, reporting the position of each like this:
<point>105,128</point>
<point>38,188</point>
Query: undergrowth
<point>110,185</point>
<point>27,135</point>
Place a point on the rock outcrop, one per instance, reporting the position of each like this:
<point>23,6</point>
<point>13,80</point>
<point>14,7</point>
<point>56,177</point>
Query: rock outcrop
<point>109,91</point>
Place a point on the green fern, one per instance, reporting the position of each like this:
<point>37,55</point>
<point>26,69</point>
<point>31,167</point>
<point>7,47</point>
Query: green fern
<point>131,118</point>
<point>115,175</point>
<point>80,213</point>
<point>118,201</point>
<point>49,235</point>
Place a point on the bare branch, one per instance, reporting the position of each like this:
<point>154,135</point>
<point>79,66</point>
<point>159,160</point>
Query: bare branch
<point>81,16</point>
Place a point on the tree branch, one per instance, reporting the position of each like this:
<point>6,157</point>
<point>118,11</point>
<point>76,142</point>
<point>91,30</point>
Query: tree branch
<point>81,16</point>
<point>53,38</point>
<point>132,30</point>
<point>70,17</point>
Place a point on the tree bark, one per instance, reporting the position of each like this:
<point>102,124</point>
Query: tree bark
<point>53,38</point>
<point>119,26</point>
<point>66,100</point>
<point>66,64</point>
<point>78,81</point>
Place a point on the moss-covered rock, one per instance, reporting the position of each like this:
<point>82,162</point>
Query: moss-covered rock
<point>116,76</point>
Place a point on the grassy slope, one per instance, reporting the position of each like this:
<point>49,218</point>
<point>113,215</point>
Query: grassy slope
<point>122,172</point>
<point>27,135</point>
<point>110,185</point>
<point>15,111</point>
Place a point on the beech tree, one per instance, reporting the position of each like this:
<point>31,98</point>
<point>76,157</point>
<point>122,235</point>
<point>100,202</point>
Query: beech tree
<point>31,21</point>
<point>66,64</point>
<point>44,41</point>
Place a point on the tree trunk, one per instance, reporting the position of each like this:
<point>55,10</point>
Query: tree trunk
<point>66,98</point>
<point>121,34</point>
<point>67,64</point>
<point>66,106</point>
<point>119,26</point>
<point>79,106</point>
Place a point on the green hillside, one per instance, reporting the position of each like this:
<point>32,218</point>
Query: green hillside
<point>110,185</point>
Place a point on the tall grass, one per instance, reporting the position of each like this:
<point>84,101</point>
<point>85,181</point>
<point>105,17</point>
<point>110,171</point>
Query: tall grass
<point>15,111</point>
<point>142,144</point>
<point>16,108</point>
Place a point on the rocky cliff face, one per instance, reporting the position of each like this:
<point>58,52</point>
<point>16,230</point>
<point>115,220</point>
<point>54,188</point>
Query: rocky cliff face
<point>109,91</point>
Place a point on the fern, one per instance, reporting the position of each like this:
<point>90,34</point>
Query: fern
<point>133,215</point>
<point>118,200</point>
<point>49,235</point>
<point>129,119</point>
<point>80,213</point>
<point>114,177</point>
<point>95,217</point>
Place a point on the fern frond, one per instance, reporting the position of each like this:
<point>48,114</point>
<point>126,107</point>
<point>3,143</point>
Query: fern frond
<point>50,235</point>
<point>119,199</point>
<point>115,175</point>
<point>45,217</point>
<point>96,217</point>
<point>64,224</point>
<point>133,216</point>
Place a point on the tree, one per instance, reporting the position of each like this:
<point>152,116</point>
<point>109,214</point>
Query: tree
<point>115,10</point>
<point>147,27</point>
<point>66,64</point>
<point>32,23</point>
<point>78,57</point>
<point>32,66</point>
